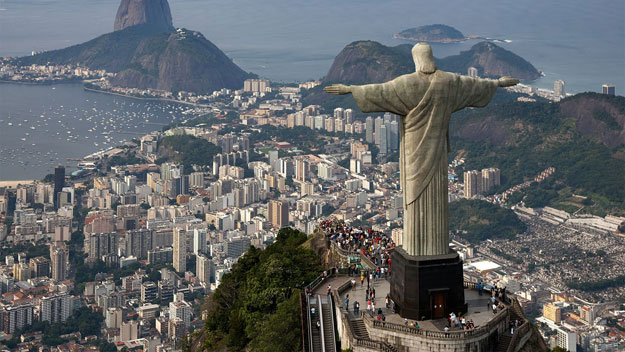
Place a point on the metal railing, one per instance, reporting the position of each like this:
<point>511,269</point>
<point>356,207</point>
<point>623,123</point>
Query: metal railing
<point>345,253</point>
<point>451,335</point>
<point>331,302</point>
<point>518,332</point>
<point>521,330</point>
<point>323,340</point>
<point>357,341</point>
<point>310,327</point>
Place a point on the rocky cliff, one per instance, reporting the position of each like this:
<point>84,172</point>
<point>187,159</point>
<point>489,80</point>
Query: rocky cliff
<point>133,12</point>
<point>185,60</point>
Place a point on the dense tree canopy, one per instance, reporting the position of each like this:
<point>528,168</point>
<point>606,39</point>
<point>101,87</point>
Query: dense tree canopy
<point>482,220</point>
<point>522,139</point>
<point>256,305</point>
<point>189,150</point>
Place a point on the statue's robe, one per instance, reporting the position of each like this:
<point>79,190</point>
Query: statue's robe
<point>425,103</point>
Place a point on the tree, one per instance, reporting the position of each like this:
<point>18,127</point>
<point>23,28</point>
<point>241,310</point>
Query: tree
<point>257,303</point>
<point>559,349</point>
<point>48,178</point>
<point>277,333</point>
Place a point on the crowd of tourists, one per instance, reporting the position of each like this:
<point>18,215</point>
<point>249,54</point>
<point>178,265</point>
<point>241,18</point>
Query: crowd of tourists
<point>374,245</point>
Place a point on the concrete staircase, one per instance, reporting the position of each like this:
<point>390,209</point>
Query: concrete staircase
<point>359,329</point>
<point>504,342</point>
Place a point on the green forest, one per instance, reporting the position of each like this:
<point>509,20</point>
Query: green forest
<point>189,150</point>
<point>482,220</point>
<point>256,306</point>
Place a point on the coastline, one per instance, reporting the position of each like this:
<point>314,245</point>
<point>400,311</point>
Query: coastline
<point>71,81</point>
<point>450,41</point>
<point>444,41</point>
<point>15,183</point>
<point>142,98</point>
<point>45,83</point>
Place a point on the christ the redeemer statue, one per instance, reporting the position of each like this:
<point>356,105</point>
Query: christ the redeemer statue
<point>425,101</point>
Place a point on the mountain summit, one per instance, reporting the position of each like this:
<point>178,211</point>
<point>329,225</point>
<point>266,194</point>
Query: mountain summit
<point>152,12</point>
<point>146,52</point>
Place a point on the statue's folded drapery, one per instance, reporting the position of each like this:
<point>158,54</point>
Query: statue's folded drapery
<point>425,103</point>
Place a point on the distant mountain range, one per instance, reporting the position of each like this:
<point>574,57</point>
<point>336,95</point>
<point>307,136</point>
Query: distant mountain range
<point>371,62</point>
<point>145,51</point>
<point>364,62</point>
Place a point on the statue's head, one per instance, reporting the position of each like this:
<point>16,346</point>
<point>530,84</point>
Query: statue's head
<point>423,58</point>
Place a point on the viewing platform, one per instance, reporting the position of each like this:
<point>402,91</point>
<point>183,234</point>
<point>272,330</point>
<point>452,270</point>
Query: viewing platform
<point>505,330</point>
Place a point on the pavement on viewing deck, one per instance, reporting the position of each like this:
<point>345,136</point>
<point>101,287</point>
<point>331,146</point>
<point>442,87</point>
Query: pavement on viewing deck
<point>477,304</point>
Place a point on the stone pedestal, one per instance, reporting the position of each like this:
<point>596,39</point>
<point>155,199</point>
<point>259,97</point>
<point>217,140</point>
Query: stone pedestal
<point>427,287</point>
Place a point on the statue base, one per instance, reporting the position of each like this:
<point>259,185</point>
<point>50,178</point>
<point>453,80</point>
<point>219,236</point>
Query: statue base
<point>427,287</point>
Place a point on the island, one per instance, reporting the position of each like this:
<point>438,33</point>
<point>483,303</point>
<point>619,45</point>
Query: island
<point>433,33</point>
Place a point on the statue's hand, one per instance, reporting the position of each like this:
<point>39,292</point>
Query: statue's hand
<point>337,89</point>
<point>506,81</point>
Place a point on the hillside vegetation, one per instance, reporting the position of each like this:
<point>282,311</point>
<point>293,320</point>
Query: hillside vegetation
<point>188,150</point>
<point>480,220</point>
<point>256,306</point>
<point>523,139</point>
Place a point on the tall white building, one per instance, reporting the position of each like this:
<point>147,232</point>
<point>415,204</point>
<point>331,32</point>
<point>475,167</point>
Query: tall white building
<point>199,241</point>
<point>180,250</point>
<point>113,318</point>
<point>302,169</point>
<point>394,132</point>
<point>379,122</point>
<point>57,308</point>
<point>16,317</point>
<point>196,180</point>
<point>472,72</point>
<point>566,339</point>
<point>369,129</point>
<point>338,113</point>
<point>180,310</point>
<point>286,168</point>
<point>608,89</point>
<point>325,171</point>
<point>383,139</point>
<point>129,331</point>
<point>256,85</point>
<point>348,114</point>
<point>559,88</point>
<point>58,259</point>
<point>203,269</point>
<point>491,177</point>
<point>472,183</point>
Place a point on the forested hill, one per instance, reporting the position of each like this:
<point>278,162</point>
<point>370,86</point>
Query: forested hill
<point>582,137</point>
<point>256,306</point>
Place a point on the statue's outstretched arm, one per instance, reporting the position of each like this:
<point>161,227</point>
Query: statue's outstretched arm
<point>506,81</point>
<point>338,89</point>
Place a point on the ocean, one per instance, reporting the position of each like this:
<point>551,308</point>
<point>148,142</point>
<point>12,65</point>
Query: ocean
<point>580,42</point>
